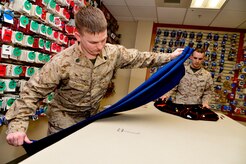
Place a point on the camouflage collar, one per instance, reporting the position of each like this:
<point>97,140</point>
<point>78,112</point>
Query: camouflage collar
<point>189,70</point>
<point>100,59</point>
<point>79,51</point>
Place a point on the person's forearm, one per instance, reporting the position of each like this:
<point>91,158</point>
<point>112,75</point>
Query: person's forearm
<point>33,92</point>
<point>18,125</point>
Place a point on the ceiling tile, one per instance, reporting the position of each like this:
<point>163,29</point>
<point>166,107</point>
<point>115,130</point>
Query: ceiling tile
<point>114,2</point>
<point>239,5</point>
<point>140,2</point>
<point>143,12</point>
<point>242,26</point>
<point>119,11</point>
<point>125,19</point>
<point>229,18</point>
<point>200,17</point>
<point>165,15</point>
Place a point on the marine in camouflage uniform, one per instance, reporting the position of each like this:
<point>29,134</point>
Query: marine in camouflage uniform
<point>194,87</point>
<point>78,85</point>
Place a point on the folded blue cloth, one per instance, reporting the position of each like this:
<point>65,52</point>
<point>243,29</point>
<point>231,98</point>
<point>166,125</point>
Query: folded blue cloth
<point>166,78</point>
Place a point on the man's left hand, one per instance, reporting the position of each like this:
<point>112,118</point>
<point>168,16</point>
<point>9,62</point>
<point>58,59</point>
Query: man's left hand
<point>176,53</point>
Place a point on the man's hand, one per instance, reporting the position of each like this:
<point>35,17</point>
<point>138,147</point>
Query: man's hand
<point>176,53</point>
<point>205,105</point>
<point>164,97</point>
<point>17,138</point>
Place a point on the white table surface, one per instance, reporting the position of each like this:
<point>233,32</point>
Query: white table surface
<point>146,135</point>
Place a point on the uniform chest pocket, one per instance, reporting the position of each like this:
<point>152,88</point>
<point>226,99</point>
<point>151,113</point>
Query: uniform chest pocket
<point>79,85</point>
<point>201,85</point>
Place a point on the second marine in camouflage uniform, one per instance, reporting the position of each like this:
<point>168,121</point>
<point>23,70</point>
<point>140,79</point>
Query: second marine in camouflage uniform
<point>194,87</point>
<point>79,85</point>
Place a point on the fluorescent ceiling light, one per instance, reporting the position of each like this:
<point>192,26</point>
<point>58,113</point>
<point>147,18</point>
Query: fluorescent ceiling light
<point>209,4</point>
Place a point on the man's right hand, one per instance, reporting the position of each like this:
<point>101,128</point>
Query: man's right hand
<point>17,138</point>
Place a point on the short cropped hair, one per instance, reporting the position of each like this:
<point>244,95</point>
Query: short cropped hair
<point>90,19</point>
<point>200,50</point>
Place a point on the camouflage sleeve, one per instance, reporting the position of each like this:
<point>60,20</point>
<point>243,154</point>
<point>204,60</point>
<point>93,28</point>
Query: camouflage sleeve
<point>171,92</point>
<point>132,58</point>
<point>206,98</point>
<point>39,85</point>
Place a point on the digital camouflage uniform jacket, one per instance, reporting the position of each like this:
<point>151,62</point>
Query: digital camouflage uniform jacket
<point>194,88</point>
<point>78,85</point>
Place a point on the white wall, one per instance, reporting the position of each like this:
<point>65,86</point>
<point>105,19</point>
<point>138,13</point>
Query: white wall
<point>142,43</point>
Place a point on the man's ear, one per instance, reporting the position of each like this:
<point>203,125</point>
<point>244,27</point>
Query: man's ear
<point>77,35</point>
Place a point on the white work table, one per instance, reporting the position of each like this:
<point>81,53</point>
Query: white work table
<point>146,135</point>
